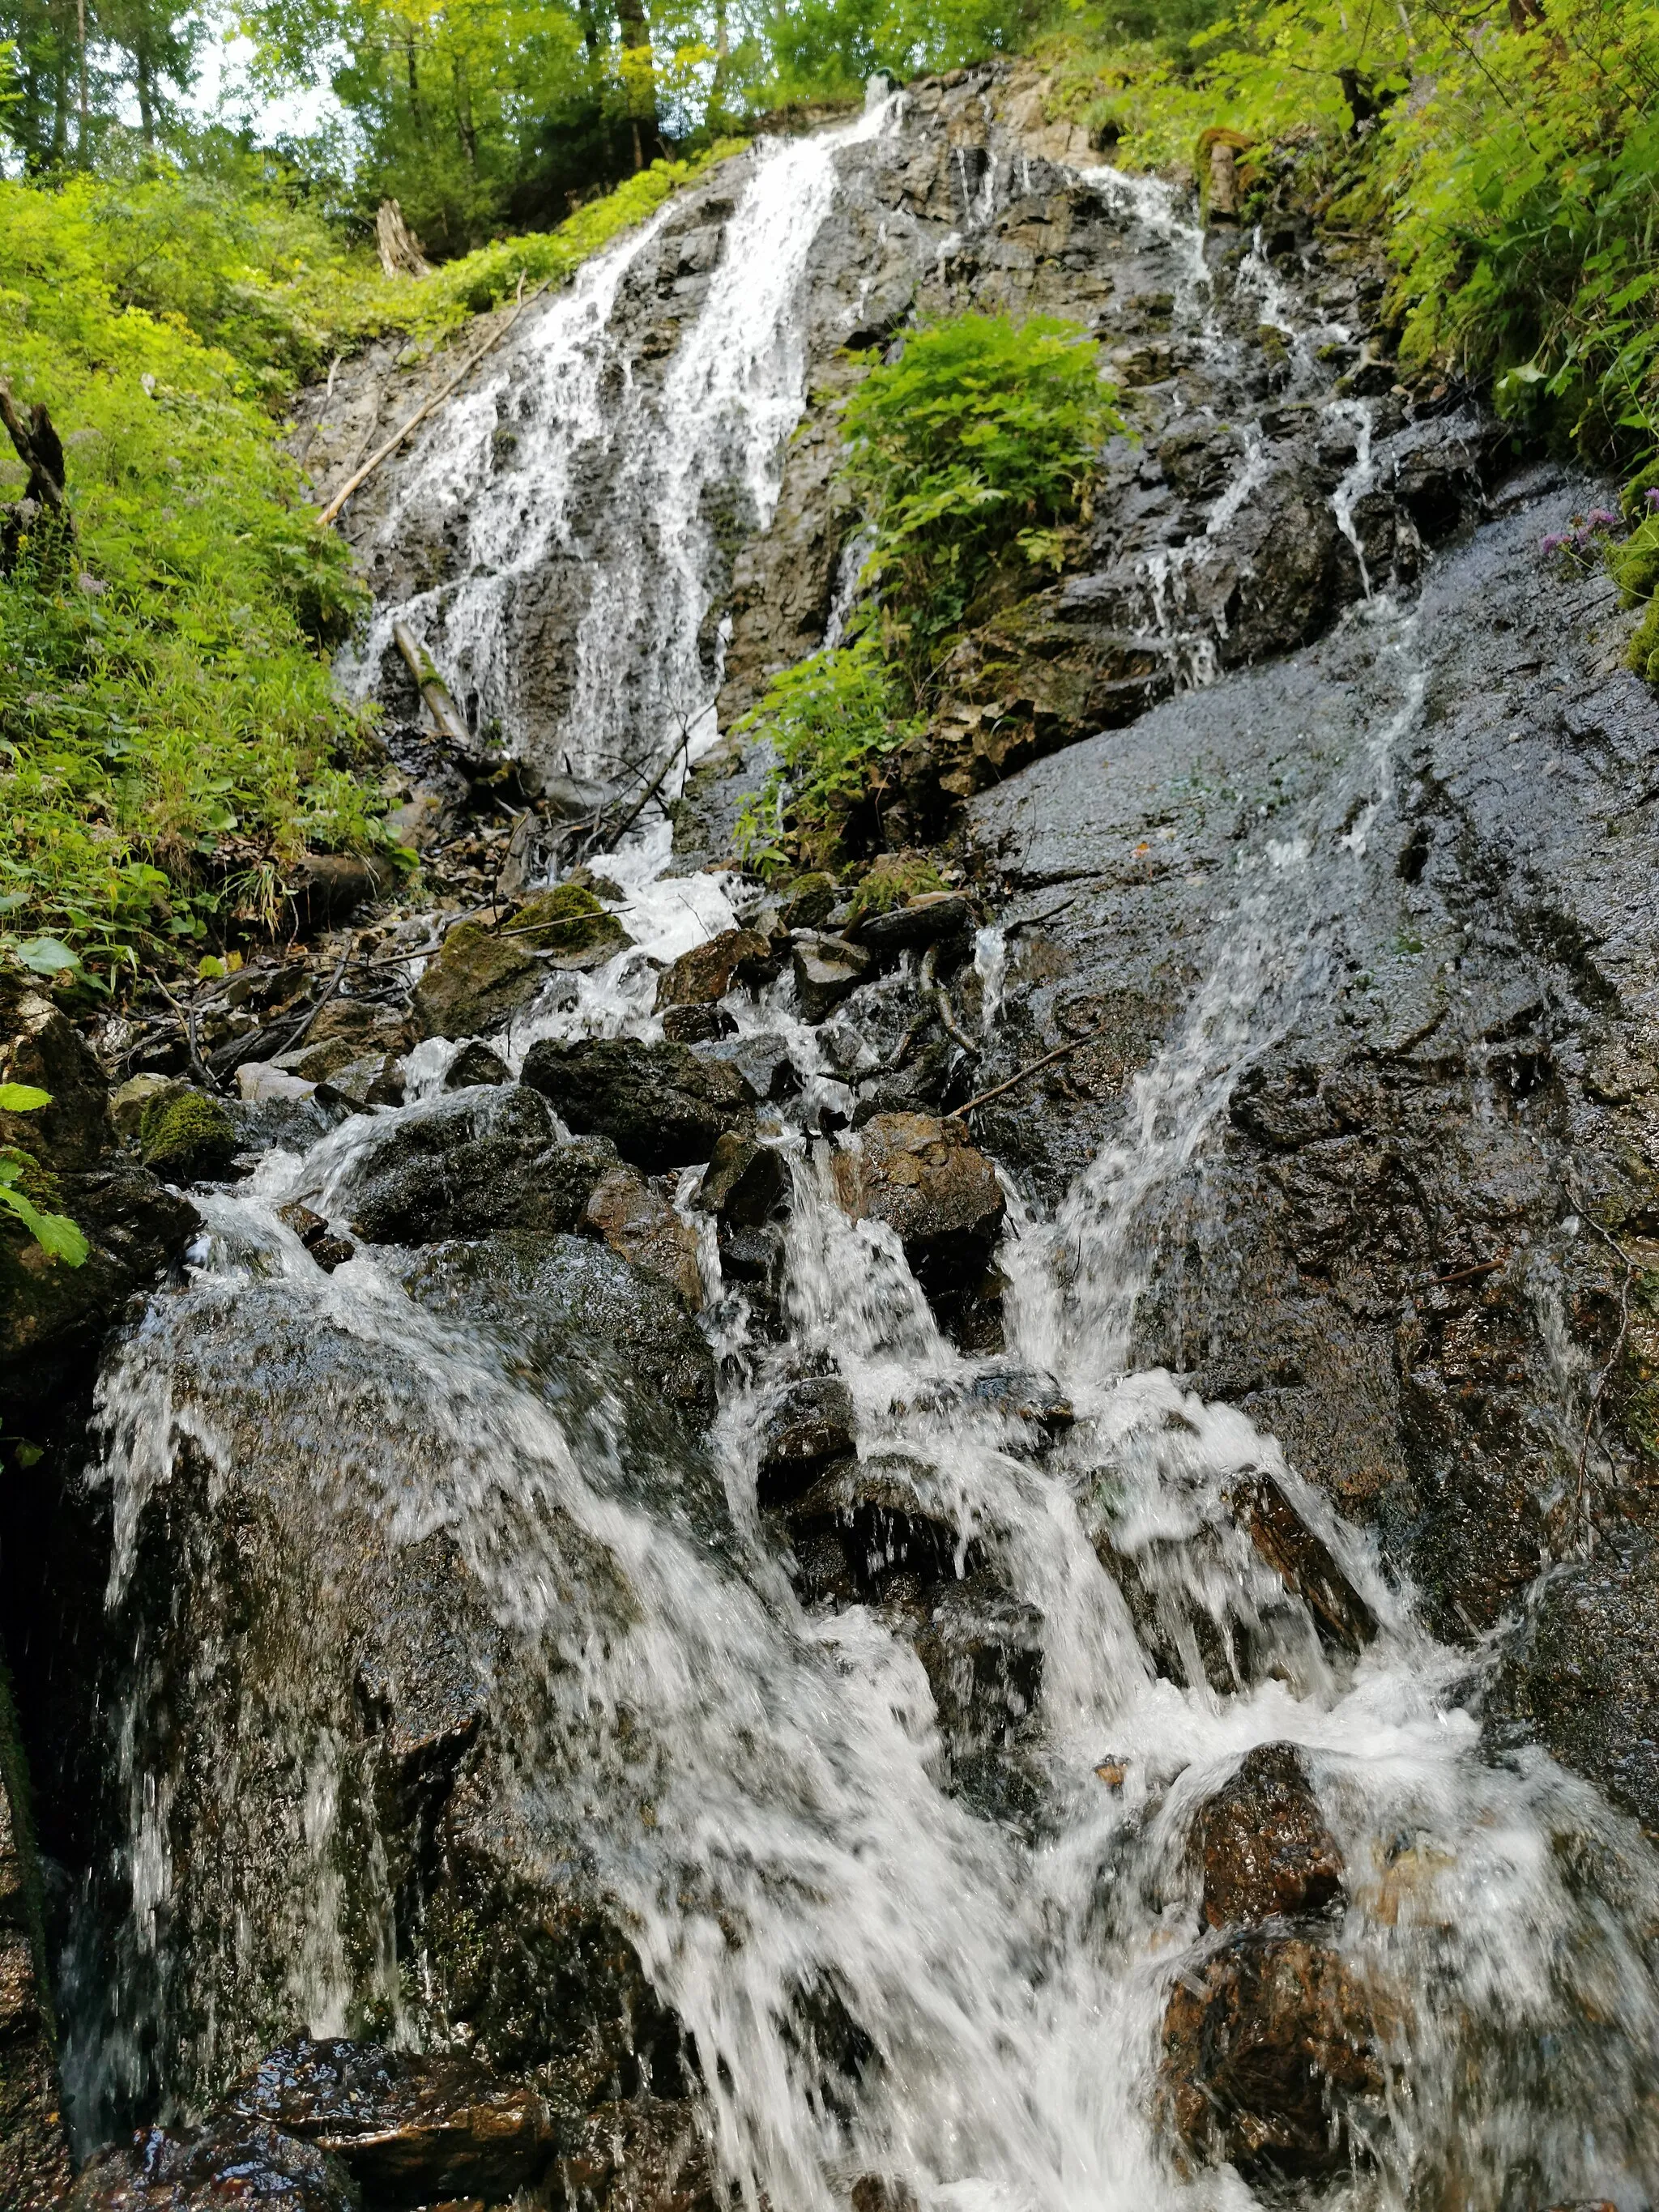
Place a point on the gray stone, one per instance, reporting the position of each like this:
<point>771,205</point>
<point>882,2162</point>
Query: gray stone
<point>812,1423</point>
<point>662,1105</point>
<point>462,1165</point>
<point>827,970</point>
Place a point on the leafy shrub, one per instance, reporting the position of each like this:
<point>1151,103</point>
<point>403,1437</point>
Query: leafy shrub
<point>26,1190</point>
<point>832,719</point>
<point>981,436</point>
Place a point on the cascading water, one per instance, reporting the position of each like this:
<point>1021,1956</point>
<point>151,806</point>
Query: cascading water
<point>771,1795</point>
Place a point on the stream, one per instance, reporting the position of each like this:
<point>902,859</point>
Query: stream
<point>907,1858</point>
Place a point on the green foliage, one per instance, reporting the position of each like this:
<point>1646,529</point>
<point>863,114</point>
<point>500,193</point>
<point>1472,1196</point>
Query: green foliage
<point>979,437</point>
<point>185,1132</point>
<point>831,720</point>
<point>26,1189</point>
<point>169,737</point>
<point>893,879</point>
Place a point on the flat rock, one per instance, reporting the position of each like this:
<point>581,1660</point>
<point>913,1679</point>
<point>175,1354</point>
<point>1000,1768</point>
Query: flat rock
<point>660,1104</point>
<point>224,2167</point>
<point>1264,2043</point>
<point>410,2131</point>
<point>928,919</point>
<point>1263,1844</point>
<point>710,969</point>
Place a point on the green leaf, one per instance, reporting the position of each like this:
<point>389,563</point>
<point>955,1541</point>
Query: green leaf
<point>53,1232</point>
<point>22,1099</point>
<point>46,956</point>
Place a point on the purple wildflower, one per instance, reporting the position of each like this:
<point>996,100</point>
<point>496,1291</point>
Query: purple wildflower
<point>1601,518</point>
<point>1553,544</point>
<point>1651,496</point>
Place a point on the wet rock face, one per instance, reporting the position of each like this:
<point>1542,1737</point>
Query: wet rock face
<point>1581,1681</point>
<point>1263,1844</point>
<point>1264,2047</point>
<point>34,2161</point>
<point>812,1422</point>
<point>660,1104</point>
<point>639,1222</point>
<point>649,2154</point>
<point>709,970</point>
<point>476,983</point>
<point>1381,1234</point>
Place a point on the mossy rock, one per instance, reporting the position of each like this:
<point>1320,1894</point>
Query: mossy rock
<point>477,982</point>
<point>892,880</point>
<point>184,1135</point>
<point>808,900</point>
<point>569,925</point>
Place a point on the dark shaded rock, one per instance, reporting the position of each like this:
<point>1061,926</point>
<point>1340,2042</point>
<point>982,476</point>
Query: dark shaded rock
<point>326,887</point>
<point>827,970</point>
<point>1021,1393</point>
<point>929,919</point>
<point>754,1257</point>
<point>809,901</point>
<point>927,1181</point>
<point>1264,2045</point>
<point>639,1222</point>
<point>226,2166</point>
<point>465,1165</point>
<point>377,1079</point>
<point>475,1064</point>
<point>861,1532</point>
<point>1263,1844</point>
<point>475,983</point>
<point>184,1135</point>
<point>981,1648</point>
<point>569,925</point>
<point>710,969</point>
<point>41,1047</point>
<point>1582,1678</point>
<point>1292,1548</point>
<point>410,2131</point>
<point>813,1422</point>
<point>763,1062</point>
<point>647,2154</point>
<point>660,1104</point>
<point>697,1024</point>
<point>545,1292</point>
<point>745,1181</point>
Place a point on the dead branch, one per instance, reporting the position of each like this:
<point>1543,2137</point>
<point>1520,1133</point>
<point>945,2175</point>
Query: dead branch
<point>1048,1059</point>
<point>432,688</point>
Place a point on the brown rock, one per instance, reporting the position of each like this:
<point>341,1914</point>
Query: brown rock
<point>476,983</point>
<point>1264,1845</point>
<point>697,1024</point>
<point>709,970</point>
<point>34,2161</point>
<point>1292,1549</point>
<point>647,2155</point>
<point>1263,2046</point>
<point>638,1222</point>
<point>327,886</point>
<point>40,1047</point>
<point>408,2129</point>
<point>224,2167</point>
<point>925,1179</point>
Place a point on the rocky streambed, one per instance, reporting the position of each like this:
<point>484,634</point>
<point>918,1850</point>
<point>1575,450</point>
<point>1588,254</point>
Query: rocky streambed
<point>982,1545</point>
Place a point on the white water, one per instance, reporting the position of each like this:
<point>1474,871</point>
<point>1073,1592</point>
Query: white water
<point>783,1816</point>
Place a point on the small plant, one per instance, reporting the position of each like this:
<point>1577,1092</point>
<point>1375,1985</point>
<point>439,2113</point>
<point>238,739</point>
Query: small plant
<point>53,1232</point>
<point>973,447</point>
<point>832,720</point>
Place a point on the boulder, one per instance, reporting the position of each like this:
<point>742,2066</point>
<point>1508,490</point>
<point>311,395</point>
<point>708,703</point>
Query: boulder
<point>41,1047</point>
<point>809,901</point>
<point>1263,1844</point>
<point>185,1136</point>
<point>1283,1537</point>
<point>639,1222</point>
<point>745,1181</point>
<point>327,1250</point>
<point>640,2155</point>
<point>224,2167</point>
<point>1265,2043</point>
<point>259,1081</point>
<point>475,1064</point>
<point>410,2131</point>
<point>927,1181</point>
<point>569,927</point>
<point>548,1293</point>
<point>376,1080</point>
<point>369,1024</point>
<point>764,1063</point>
<point>710,969</point>
<point>812,1423</point>
<point>862,1531</point>
<point>466,1164</point>
<point>476,982</point>
<point>660,1104</point>
<point>325,887</point>
<point>128,1100</point>
<point>319,1058</point>
<point>928,919</point>
<point>827,968</point>
<point>697,1024</point>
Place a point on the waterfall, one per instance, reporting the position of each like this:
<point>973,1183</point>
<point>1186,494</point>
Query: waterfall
<point>764,1791</point>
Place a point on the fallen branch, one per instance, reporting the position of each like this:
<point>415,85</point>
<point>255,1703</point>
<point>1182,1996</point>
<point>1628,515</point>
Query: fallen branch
<point>1036,1065</point>
<point>432,688</point>
<point>39,449</point>
<point>354,483</point>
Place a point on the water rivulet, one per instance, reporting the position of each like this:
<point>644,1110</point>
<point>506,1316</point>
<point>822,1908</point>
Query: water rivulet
<point>1011,1706</point>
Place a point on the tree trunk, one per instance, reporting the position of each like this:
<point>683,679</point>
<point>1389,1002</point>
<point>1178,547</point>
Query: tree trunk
<point>639,76</point>
<point>398,247</point>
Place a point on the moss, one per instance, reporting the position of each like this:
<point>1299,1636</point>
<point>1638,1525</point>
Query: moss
<point>892,880</point>
<point>1642,651</point>
<point>569,922</point>
<point>184,1134</point>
